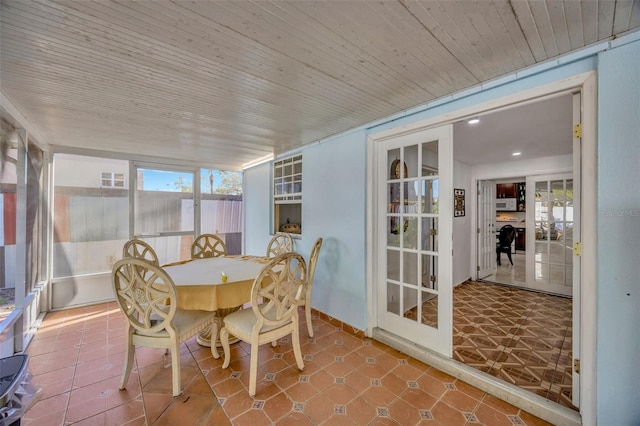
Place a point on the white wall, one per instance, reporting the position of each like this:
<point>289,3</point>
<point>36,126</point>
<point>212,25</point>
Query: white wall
<point>462,234</point>
<point>86,172</point>
<point>618,247</point>
<point>538,166</point>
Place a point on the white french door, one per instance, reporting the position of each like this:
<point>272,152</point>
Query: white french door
<point>486,228</point>
<point>550,251</point>
<point>414,212</point>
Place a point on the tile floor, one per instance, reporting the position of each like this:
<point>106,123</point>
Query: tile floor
<point>77,355</point>
<point>520,336</point>
<point>507,273</point>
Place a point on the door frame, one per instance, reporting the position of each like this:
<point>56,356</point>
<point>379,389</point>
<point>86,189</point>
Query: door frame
<point>586,83</point>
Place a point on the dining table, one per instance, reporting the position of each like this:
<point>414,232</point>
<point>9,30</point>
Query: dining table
<point>201,285</point>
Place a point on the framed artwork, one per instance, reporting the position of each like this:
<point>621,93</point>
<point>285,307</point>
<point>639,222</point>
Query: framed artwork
<point>458,202</point>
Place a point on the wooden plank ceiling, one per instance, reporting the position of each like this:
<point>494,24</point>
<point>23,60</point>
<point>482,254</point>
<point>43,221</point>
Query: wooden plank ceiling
<point>224,83</point>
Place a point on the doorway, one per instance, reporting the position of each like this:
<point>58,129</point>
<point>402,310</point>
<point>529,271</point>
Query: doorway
<point>523,337</point>
<point>583,347</point>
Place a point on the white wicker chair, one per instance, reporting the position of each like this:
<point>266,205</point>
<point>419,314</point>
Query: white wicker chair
<point>279,244</point>
<point>208,245</point>
<point>275,298</point>
<point>306,302</point>
<point>139,249</point>
<point>147,296</point>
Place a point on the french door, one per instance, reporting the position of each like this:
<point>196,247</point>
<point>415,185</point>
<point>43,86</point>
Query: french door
<point>550,252</point>
<point>414,192</point>
<point>486,228</point>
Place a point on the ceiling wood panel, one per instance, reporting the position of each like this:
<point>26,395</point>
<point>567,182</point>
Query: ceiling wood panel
<point>224,83</point>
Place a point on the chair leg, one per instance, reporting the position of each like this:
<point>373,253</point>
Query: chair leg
<point>175,369</point>
<point>509,256</point>
<point>128,362</point>
<point>253,368</point>
<point>214,338</point>
<point>307,311</point>
<point>295,341</point>
<point>224,339</point>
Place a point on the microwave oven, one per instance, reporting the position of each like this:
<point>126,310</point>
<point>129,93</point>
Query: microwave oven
<point>506,204</point>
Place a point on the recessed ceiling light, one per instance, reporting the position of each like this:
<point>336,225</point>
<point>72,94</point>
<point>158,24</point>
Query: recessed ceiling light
<point>473,120</point>
<point>515,154</point>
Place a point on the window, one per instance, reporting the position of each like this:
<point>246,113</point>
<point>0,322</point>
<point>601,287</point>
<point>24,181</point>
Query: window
<point>287,195</point>
<point>90,224</point>
<point>112,180</point>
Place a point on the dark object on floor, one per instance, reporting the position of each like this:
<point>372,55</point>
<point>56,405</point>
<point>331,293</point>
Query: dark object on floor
<point>507,235</point>
<point>16,391</point>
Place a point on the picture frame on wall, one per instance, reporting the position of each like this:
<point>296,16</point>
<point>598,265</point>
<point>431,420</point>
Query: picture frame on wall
<point>458,202</point>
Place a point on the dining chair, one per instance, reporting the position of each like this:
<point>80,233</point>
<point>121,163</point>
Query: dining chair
<point>208,245</point>
<point>311,269</point>
<point>147,297</point>
<point>273,314</point>
<point>139,249</point>
<point>505,239</point>
<point>280,243</point>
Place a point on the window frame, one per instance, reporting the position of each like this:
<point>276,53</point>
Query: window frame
<point>287,191</point>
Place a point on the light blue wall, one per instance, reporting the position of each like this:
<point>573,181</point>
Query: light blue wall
<point>333,175</point>
<point>334,207</point>
<point>618,355</point>
<point>257,201</point>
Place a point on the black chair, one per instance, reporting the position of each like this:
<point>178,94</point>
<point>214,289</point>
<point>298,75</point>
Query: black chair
<point>507,235</point>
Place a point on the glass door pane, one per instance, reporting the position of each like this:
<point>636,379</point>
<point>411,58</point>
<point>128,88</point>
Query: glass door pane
<point>164,211</point>
<point>553,248</point>
<point>412,232</point>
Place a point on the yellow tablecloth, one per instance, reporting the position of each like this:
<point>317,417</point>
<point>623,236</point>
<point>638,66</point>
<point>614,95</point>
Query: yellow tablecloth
<point>199,281</point>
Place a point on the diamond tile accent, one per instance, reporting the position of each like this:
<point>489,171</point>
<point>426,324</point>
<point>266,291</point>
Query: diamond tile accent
<point>298,407</point>
<point>516,420</point>
<point>376,382</point>
<point>470,417</point>
<point>257,405</point>
<point>450,386</point>
<point>383,412</point>
<point>269,377</point>
<point>412,385</point>
<point>303,379</point>
<point>277,356</point>
<point>339,359</point>
<point>426,415</point>
<point>371,360</point>
<point>236,374</point>
<point>340,380</point>
<point>340,409</point>
<point>339,342</point>
<point>403,362</point>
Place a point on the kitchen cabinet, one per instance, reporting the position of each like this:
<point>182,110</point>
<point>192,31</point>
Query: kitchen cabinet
<point>506,190</point>
<point>521,241</point>
<point>521,198</point>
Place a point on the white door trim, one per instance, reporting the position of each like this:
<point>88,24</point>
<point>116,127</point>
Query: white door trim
<point>587,83</point>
